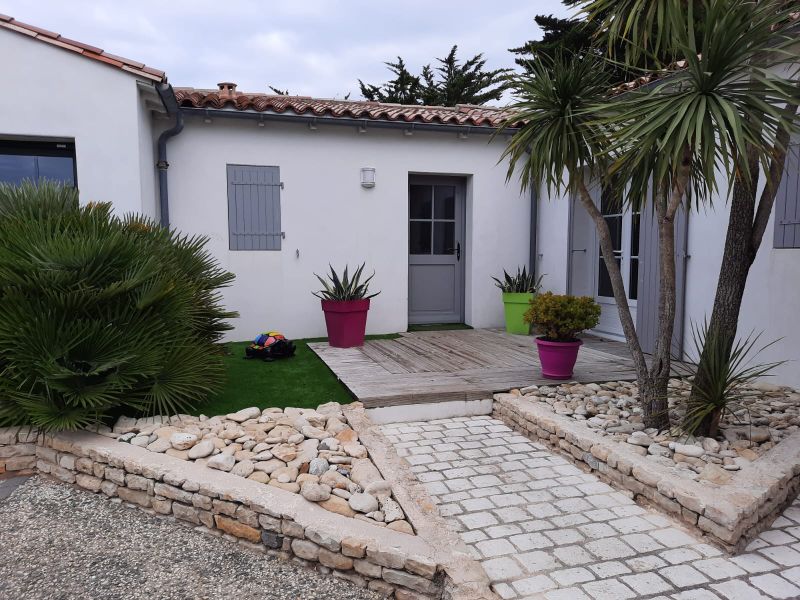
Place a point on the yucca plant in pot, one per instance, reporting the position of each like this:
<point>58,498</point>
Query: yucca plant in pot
<point>558,319</point>
<point>345,302</point>
<point>518,290</point>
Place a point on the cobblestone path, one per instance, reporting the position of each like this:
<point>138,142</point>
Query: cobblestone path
<point>543,529</point>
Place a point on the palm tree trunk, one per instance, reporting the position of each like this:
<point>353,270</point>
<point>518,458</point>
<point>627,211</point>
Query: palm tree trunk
<point>746,226</point>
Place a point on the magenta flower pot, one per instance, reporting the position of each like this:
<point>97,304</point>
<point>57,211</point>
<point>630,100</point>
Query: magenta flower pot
<point>557,358</point>
<point>346,321</point>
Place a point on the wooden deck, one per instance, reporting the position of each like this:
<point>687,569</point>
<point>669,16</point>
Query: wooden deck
<point>437,366</point>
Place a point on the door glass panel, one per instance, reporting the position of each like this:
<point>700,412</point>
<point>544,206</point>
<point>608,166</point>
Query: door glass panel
<point>444,236</point>
<point>420,237</point>
<point>16,168</point>
<point>633,277</point>
<point>421,202</point>
<point>633,294</point>
<point>615,226</point>
<point>56,168</point>
<point>604,280</point>
<point>444,206</point>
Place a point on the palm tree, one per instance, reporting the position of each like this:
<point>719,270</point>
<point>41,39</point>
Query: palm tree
<point>716,113</point>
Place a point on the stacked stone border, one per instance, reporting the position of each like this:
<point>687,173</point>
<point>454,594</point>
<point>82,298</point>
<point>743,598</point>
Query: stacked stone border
<point>728,515</point>
<point>278,522</point>
<point>17,450</point>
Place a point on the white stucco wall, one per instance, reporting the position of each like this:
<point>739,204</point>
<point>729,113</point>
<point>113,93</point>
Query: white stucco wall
<point>54,93</point>
<point>552,242</point>
<point>329,217</point>
<point>772,297</point>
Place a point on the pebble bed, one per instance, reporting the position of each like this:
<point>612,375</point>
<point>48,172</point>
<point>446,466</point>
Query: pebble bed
<point>309,452</point>
<point>59,542</point>
<point>767,414</point>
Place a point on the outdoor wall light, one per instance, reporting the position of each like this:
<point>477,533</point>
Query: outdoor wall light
<point>368,177</point>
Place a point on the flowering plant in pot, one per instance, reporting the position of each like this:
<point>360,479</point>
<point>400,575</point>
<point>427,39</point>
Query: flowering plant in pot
<point>518,290</point>
<point>345,302</point>
<point>558,319</point>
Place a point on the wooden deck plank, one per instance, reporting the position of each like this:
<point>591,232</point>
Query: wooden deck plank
<point>438,366</point>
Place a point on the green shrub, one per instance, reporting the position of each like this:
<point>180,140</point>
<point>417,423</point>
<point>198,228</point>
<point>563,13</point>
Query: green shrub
<point>101,314</point>
<point>522,282</point>
<point>559,318</point>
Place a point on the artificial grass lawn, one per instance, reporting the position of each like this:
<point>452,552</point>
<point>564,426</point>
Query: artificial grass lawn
<point>303,381</point>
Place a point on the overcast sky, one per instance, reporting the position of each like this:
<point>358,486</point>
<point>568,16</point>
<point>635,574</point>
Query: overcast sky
<point>310,47</point>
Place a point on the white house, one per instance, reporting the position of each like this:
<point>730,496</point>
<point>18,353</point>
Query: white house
<point>284,185</point>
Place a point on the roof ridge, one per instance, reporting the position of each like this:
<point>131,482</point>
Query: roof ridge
<point>87,50</point>
<point>368,110</point>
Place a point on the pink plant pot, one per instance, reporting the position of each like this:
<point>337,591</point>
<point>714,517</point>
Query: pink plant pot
<point>557,358</point>
<point>346,322</point>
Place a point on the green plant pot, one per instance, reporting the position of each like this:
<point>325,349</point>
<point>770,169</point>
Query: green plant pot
<point>516,304</point>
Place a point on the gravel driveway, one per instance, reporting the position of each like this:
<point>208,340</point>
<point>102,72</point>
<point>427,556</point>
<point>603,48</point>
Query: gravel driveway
<point>60,542</point>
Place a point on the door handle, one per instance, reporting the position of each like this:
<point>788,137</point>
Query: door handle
<point>457,250</point>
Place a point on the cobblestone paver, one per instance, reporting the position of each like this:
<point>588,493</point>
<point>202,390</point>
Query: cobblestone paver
<point>542,528</point>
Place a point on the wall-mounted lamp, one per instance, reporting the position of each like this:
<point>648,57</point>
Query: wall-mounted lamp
<point>368,177</point>
<point>261,122</point>
<point>462,135</point>
<point>312,125</point>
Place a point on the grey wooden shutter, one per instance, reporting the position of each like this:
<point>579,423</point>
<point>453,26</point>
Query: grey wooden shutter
<point>254,207</point>
<point>787,202</point>
<point>649,282</point>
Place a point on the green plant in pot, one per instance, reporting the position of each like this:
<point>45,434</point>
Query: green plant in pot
<point>345,302</point>
<point>558,319</point>
<point>518,290</point>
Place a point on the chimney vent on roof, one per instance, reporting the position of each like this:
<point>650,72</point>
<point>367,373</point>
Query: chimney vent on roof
<point>227,89</point>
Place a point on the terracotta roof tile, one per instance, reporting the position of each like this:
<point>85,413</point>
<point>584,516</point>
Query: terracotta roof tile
<point>228,97</point>
<point>87,50</point>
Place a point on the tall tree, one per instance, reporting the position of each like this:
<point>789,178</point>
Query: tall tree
<point>449,83</point>
<point>656,142</point>
<point>759,153</point>
<point>405,88</point>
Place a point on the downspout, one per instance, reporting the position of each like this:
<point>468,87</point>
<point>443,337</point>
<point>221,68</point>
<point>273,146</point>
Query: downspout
<point>167,95</point>
<point>534,258</point>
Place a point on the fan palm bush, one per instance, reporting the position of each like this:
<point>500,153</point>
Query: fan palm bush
<point>101,314</point>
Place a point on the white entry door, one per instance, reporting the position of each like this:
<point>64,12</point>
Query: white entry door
<point>624,227</point>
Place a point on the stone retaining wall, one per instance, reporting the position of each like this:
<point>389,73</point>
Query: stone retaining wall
<point>729,515</point>
<point>391,563</point>
<point>17,450</point>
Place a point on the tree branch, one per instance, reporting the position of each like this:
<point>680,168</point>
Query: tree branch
<point>774,176</point>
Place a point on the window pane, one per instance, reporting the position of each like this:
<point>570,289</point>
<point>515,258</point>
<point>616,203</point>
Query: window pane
<point>444,206</point>
<point>420,237</point>
<point>615,225</point>
<point>15,168</point>
<point>421,201</point>
<point>604,280</point>
<point>444,237</point>
<point>610,201</point>
<point>633,284</point>
<point>635,234</point>
<point>56,168</point>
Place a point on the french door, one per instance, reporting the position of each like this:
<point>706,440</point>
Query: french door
<point>624,225</point>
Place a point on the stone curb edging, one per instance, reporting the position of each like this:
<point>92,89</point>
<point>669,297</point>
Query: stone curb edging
<point>729,515</point>
<point>388,562</point>
<point>466,578</point>
<point>17,450</point>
